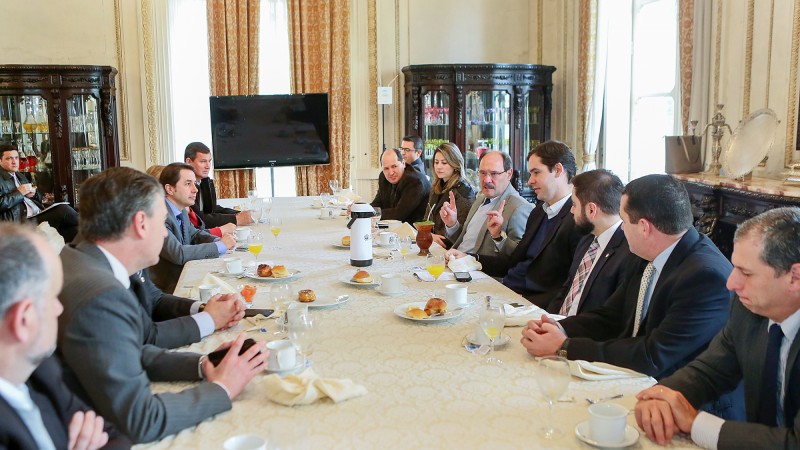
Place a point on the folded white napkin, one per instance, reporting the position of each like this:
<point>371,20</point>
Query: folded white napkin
<point>403,230</point>
<point>51,236</point>
<point>596,371</point>
<point>308,387</point>
<point>465,264</point>
<point>213,280</point>
<point>519,317</point>
<point>449,276</point>
<point>258,321</point>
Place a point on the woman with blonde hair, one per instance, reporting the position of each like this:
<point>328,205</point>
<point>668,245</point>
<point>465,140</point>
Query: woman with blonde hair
<point>448,176</point>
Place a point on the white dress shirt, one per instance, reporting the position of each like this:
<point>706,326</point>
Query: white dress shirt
<point>19,398</point>
<point>474,227</point>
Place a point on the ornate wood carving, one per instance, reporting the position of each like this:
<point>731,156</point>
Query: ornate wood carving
<point>519,92</point>
<point>460,107</point>
<point>415,107</point>
<point>58,117</point>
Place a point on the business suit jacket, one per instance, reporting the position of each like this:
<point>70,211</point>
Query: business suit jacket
<point>405,201</point>
<point>688,306</point>
<point>12,205</point>
<point>606,275</point>
<point>199,245</point>
<point>101,341</point>
<point>213,214</point>
<point>172,323</point>
<point>737,354</point>
<point>57,404</point>
<point>515,217</point>
<point>550,266</point>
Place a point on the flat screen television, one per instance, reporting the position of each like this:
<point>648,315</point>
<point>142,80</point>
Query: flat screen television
<point>249,131</point>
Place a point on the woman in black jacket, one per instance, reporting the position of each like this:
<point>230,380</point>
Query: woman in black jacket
<point>448,175</point>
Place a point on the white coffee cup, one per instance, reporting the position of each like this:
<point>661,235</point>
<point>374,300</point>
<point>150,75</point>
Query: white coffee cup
<point>242,233</point>
<point>607,423</point>
<point>388,239</point>
<point>233,265</point>
<point>318,202</point>
<point>456,295</point>
<point>282,355</point>
<point>245,442</point>
<point>207,291</point>
<point>328,213</point>
<point>391,283</point>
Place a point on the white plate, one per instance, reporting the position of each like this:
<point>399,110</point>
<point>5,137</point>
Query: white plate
<point>340,245</point>
<point>401,311</point>
<point>404,291</point>
<point>388,222</point>
<point>232,274</point>
<point>251,273</point>
<point>582,431</point>
<point>296,369</point>
<point>503,340</point>
<point>324,301</point>
<point>349,280</point>
<point>313,206</point>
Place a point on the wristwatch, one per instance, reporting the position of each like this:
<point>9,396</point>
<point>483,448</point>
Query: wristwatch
<point>562,352</point>
<point>500,238</point>
<point>201,307</point>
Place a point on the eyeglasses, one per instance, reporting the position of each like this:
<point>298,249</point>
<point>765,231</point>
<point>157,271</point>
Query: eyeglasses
<point>483,173</point>
<point>406,150</point>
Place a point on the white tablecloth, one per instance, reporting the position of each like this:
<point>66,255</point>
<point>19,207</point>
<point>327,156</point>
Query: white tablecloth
<point>425,389</point>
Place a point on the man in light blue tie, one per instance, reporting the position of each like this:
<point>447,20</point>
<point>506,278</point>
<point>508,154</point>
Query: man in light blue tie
<point>758,346</point>
<point>37,409</point>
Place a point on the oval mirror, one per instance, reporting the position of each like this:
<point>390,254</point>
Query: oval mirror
<point>751,142</point>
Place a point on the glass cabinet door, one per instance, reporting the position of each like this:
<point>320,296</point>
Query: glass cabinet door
<point>86,157</point>
<point>24,122</point>
<point>488,127</point>
<point>436,122</point>
<point>533,129</point>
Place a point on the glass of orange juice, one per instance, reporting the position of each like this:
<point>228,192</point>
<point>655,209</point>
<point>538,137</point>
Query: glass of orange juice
<point>248,291</point>
<point>435,265</point>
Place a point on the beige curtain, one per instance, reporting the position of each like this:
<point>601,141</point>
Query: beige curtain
<point>589,96</point>
<point>319,36</point>
<point>233,65</point>
<point>685,51</point>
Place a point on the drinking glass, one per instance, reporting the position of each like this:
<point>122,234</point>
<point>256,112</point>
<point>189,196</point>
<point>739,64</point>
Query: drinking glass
<point>266,207</point>
<point>275,224</point>
<point>405,246</point>
<point>255,243</point>
<point>435,265</point>
<point>376,218</point>
<point>492,319</point>
<point>334,185</point>
<point>301,334</point>
<point>552,376</point>
<point>281,296</point>
<point>326,199</point>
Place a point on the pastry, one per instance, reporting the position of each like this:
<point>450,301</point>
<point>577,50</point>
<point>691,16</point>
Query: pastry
<point>279,272</point>
<point>306,296</point>
<point>264,270</point>
<point>346,241</point>
<point>362,276</point>
<point>435,306</point>
<point>415,313</point>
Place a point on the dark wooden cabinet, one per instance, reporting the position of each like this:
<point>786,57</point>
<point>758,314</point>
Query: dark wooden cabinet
<point>480,107</point>
<point>719,205</point>
<point>63,121</point>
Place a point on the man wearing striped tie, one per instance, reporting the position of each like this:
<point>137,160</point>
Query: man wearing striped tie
<point>670,304</point>
<point>758,347</point>
<point>602,255</point>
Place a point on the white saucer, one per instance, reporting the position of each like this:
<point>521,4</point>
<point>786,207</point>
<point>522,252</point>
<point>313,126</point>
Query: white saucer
<point>232,274</point>
<point>296,369</point>
<point>393,294</point>
<point>499,342</point>
<point>631,436</point>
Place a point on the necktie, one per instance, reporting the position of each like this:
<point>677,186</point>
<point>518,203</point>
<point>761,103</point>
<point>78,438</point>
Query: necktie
<point>193,218</point>
<point>647,277</point>
<point>580,277</point>
<point>32,418</point>
<point>179,218</point>
<point>487,201</point>
<point>770,386</point>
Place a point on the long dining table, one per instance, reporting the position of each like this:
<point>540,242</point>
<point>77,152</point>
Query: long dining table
<point>425,389</point>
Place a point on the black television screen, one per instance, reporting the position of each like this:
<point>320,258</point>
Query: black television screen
<point>269,130</point>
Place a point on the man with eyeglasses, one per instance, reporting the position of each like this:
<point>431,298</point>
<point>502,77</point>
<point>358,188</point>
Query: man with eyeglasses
<point>498,203</point>
<point>402,194</point>
<point>540,264</point>
<point>412,147</point>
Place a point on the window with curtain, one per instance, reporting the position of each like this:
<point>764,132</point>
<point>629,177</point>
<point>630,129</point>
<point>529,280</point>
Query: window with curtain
<point>189,80</point>
<point>642,96</point>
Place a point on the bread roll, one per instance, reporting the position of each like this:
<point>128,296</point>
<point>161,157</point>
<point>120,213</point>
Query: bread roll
<point>435,306</point>
<point>416,313</point>
<point>306,296</point>
<point>279,272</point>
<point>362,276</point>
<point>346,241</point>
<point>264,270</point>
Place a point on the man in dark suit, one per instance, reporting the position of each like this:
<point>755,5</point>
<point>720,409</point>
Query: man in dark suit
<point>402,193</point>
<point>19,200</point>
<point>184,242</point>
<point>205,206</point>
<point>539,265</point>
<point>101,336</point>
<point>37,408</point>
<point>671,303</point>
<point>412,148</point>
<point>603,254</point>
<point>758,347</point>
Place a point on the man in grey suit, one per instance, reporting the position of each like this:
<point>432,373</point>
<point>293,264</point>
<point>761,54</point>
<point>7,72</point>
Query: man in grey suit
<point>497,198</point>
<point>101,333</point>
<point>184,242</point>
<point>756,346</point>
